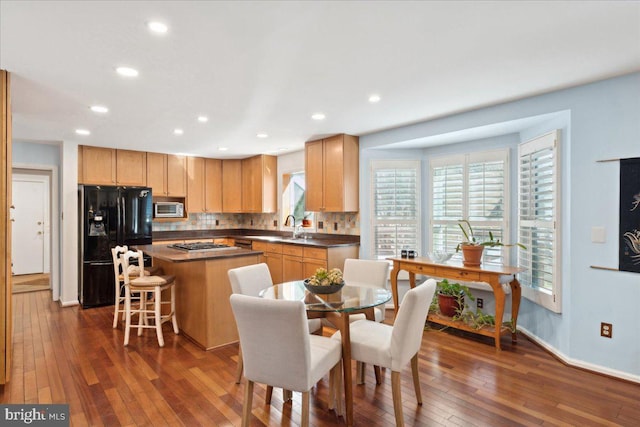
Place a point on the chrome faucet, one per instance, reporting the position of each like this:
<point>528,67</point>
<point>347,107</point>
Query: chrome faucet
<point>286,223</point>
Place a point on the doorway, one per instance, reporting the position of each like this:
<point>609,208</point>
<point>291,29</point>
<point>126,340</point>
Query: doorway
<point>32,229</point>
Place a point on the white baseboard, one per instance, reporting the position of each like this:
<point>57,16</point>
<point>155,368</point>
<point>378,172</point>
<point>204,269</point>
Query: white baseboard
<point>579,363</point>
<point>68,303</point>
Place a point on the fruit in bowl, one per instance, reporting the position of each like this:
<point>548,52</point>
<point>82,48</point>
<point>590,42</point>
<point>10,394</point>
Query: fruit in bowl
<point>440,256</point>
<point>325,282</point>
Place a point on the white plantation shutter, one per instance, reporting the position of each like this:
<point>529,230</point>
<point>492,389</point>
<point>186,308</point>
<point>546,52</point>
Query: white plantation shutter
<point>538,195</point>
<point>473,187</point>
<point>396,201</point>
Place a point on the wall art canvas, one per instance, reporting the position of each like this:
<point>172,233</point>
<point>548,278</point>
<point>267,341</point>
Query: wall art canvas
<point>630,215</point>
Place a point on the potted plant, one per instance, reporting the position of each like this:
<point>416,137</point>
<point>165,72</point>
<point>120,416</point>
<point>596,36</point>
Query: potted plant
<point>472,249</point>
<point>306,221</point>
<point>451,298</point>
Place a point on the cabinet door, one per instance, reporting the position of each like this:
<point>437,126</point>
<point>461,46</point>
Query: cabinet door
<point>311,265</point>
<point>195,184</point>
<point>98,165</point>
<point>274,261</point>
<point>251,184</point>
<point>156,173</point>
<point>333,171</point>
<point>314,176</point>
<point>269,177</point>
<point>231,186</point>
<point>176,175</point>
<point>292,268</point>
<point>213,185</point>
<point>131,167</point>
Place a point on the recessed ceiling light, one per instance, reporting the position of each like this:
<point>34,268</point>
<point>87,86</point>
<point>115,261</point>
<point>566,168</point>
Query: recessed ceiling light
<point>83,132</point>
<point>262,135</point>
<point>127,71</point>
<point>157,27</point>
<point>99,109</point>
<point>282,149</point>
<point>318,116</point>
<point>203,119</point>
<point>178,131</point>
<point>374,98</point>
<point>222,148</point>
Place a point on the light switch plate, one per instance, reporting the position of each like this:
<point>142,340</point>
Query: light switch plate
<point>598,235</point>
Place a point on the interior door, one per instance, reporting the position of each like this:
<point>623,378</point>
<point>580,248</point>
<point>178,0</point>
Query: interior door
<point>31,231</point>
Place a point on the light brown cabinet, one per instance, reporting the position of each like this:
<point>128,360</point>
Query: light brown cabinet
<point>231,186</point>
<point>296,262</point>
<point>204,185</point>
<point>131,167</point>
<point>167,174</point>
<point>272,256</point>
<point>108,166</point>
<point>331,174</point>
<point>96,165</point>
<point>259,183</point>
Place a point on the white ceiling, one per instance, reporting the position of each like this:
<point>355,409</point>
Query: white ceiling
<point>264,66</point>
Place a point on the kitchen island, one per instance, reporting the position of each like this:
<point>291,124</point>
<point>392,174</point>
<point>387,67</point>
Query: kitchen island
<point>203,290</point>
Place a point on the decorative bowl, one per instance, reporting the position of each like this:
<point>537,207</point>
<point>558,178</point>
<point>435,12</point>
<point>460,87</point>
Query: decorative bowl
<point>323,289</point>
<point>439,256</point>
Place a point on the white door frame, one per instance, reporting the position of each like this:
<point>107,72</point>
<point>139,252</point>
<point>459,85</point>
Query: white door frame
<point>54,218</point>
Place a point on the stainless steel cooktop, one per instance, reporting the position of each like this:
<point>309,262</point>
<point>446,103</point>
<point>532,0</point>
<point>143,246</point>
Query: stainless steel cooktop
<point>200,247</point>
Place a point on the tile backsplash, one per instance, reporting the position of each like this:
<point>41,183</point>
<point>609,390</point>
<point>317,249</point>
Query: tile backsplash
<point>332,222</point>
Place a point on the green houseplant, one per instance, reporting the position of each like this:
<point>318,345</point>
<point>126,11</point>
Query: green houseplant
<point>451,298</point>
<point>472,248</point>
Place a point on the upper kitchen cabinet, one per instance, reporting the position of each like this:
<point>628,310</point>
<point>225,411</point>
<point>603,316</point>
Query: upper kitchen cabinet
<point>96,165</point>
<point>204,185</point>
<point>231,186</point>
<point>131,167</point>
<point>259,184</point>
<point>167,174</point>
<point>331,174</point>
<point>108,166</point>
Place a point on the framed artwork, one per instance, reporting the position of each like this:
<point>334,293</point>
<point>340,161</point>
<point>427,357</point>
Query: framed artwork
<point>629,215</point>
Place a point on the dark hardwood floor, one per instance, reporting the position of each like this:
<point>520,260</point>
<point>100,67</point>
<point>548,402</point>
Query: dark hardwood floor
<point>71,355</point>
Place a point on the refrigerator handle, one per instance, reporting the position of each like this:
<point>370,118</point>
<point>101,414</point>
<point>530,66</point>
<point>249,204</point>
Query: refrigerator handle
<point>123,219</point>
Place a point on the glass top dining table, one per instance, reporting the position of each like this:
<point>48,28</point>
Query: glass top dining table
<point>337,307</point>
<point>349,299</point>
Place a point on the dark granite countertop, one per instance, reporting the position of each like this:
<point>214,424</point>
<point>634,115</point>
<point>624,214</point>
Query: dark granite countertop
<point>166,253</point>
<point>314,239</point>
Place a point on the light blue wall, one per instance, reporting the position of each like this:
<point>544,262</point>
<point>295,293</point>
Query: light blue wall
<point>597,121</point>
<point>35,153</point>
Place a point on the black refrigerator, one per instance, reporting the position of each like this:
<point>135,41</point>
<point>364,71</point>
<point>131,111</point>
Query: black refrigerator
<point>109,216</point>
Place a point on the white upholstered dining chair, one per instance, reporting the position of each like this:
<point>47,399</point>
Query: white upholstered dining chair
<point>394,346</point>
<point>250,280</point>
<point>279,351</point>
<point>368,273</point>
<point>144,286</point>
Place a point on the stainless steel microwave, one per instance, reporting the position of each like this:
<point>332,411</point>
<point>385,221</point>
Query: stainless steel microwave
<point>168,210</point>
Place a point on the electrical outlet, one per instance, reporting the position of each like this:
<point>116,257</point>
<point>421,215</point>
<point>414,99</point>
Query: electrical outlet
<point>251,222</point>
<point>275,222</point>
<point>217,222</point>
<point>335,226</point>
<point>480,302</point>
<point>606,330</point>
<point>320,225</point>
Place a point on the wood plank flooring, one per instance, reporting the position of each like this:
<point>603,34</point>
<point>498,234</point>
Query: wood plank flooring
<point>71,355</point>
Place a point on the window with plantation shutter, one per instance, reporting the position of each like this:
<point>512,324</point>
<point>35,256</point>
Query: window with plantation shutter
<point>473,187</point>
<point>538,195</point>
<point>396,201</point>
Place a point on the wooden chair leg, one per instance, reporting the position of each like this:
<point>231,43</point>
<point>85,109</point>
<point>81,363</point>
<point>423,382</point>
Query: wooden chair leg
<point>397,398</point>
<point>127,310</point>
<point>338,388</point>
<point>376,370</point>
<point>304,422</point>
<point>240,365</point>
<point>267,396</point>
<point>287,395</point>
<point>174,318</point>
<point>158,313</point>
<point>416,378</point>
<point>246,407</point>
<point>360,372</point>
<point>332,388</point>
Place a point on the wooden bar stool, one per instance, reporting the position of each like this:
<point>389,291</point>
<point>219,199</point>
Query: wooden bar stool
<point>145,286</point>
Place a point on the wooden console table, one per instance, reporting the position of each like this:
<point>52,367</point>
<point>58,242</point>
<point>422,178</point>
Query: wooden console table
<point>489,274</point>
